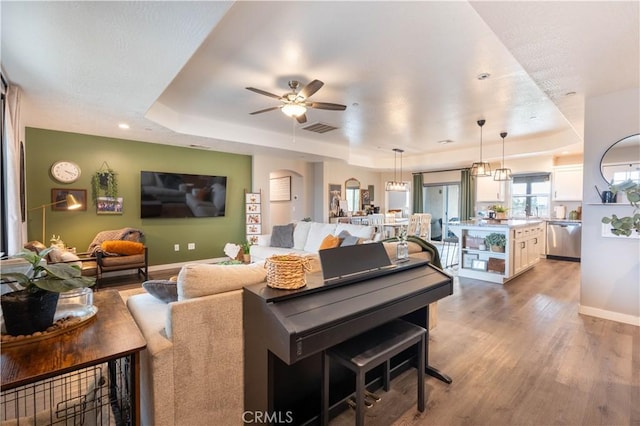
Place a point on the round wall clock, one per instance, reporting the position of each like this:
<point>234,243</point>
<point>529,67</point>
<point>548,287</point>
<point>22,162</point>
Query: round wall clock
<point>65,171</point>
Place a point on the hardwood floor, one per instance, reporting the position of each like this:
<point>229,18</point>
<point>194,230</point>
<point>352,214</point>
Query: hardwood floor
<point>519,354</point>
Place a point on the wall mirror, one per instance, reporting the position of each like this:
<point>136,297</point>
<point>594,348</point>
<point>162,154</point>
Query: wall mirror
<point>622,161</point>
<point>352,194</point>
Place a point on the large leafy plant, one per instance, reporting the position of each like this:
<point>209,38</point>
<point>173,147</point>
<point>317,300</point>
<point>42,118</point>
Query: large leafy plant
<point>56,277</point>
<point>625,225</point>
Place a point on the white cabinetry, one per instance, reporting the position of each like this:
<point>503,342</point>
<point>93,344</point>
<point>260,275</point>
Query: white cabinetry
<point>525,244</point>
<point>567,183</point>
<point>488,189</point>
<point>528,244</point>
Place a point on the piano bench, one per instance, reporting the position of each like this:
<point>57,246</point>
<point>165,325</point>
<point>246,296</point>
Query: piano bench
<point>368,350</point>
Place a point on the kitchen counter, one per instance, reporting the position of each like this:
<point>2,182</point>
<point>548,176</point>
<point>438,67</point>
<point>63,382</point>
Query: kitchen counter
<point>498,223</point>
<point>524,245</point>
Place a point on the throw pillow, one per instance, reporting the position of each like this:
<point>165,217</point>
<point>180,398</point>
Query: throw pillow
<point>330,241</point>
<point>126,248</point>
<point>164,290</point>
<point>282,236</point>
<point>197,279</point>
<point>350,240</point>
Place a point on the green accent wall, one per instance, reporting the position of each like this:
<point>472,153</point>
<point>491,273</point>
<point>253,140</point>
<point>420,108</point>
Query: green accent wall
<point>128,158</point>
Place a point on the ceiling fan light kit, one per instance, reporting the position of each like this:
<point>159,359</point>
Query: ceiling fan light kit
<point>295,104</point>
<point>294,110</point>
<point>503,173</point>
<point>481,168</point>
<point>397,185</point>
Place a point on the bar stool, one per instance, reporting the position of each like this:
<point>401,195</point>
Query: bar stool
<point>368,350</point>
<point>449,248</point>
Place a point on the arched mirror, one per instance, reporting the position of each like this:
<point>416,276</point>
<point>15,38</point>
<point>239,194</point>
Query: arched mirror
<point>622,161</point>
<point>352,191</point>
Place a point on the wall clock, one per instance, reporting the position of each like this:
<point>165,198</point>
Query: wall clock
<point>65,171</point>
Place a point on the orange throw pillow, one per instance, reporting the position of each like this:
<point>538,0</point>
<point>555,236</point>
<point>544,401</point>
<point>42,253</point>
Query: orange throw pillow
<point>330,241</point>
<point>122,247</point>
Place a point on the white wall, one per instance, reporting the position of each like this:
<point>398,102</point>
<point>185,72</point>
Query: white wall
<point>610,268</point>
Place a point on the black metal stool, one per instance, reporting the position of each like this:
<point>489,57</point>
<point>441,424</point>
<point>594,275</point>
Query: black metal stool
<point>368,350</point>
<point>449,247</point>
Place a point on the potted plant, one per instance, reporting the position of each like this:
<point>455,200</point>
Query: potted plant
<point>104,184</point>
<point>31,308</point>
<point>497,241</point>
<point>499,210</point>
<point>627,224</point>
<point>246,249</point>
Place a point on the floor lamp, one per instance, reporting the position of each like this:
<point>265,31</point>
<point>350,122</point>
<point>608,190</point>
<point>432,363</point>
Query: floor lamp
<point>72,204</point>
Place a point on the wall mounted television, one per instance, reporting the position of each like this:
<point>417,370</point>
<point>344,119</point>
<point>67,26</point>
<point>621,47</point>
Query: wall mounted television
<point>181,195</point>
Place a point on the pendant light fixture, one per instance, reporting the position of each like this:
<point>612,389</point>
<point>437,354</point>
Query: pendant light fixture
<point>395,184</point>
<point>502,173</point>
<point>481,168</point>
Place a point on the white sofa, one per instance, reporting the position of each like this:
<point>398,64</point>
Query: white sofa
<point>307,237</point>
<point>191,371</point>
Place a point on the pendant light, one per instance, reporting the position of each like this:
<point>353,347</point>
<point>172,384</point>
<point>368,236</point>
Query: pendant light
<point>395,184</point>
<point>481,168</point>
<point>502,173</point>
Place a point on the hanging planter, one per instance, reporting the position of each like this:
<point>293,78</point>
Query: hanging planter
<point>104,183</point>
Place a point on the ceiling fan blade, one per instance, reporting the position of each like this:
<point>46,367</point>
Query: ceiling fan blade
<point>301,118</point>
<point>327,105</point>
<point>264,110</point>
<point>311,88</point>
<point>262,92</point>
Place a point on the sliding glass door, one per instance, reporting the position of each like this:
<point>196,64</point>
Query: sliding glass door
<point>442,201</point>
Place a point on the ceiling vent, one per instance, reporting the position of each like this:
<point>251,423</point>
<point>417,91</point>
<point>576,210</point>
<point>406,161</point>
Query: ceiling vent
<point>319,128</point>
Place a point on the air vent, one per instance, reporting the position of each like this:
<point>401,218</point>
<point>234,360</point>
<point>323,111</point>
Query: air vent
<point>319,128</point>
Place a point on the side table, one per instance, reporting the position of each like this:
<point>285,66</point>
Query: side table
<point>102,358</point>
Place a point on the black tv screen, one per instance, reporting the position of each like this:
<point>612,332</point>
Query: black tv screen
<point>180,195</point>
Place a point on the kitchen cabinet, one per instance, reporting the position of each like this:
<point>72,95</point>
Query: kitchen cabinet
<point>567,183</point>
<point>488,190</point>
<point>525,244</point>
<point>528,243</point>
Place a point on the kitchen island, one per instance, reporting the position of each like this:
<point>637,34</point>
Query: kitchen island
<point>524,245</point>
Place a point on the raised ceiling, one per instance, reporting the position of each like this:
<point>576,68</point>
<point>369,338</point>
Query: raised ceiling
<point>176,72</point>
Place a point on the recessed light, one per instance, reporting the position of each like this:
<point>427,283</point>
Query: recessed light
<point>445,141</point>
<point>483,76</point>
<point>570,93</point>
<point>123,126</point>
<point>355,104</point>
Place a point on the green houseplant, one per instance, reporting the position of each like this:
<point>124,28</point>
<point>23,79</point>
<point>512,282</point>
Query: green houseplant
<point>496,241</point>
<point>500,211</point>
<point>104,183</point>
<point>246,249</point>
<point>31,308</point>
<point>628,224</point>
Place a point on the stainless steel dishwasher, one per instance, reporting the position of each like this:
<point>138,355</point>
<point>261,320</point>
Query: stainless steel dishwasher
<point>563,239</point>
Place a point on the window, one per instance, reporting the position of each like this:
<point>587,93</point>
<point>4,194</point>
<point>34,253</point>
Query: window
<point>530,195</point>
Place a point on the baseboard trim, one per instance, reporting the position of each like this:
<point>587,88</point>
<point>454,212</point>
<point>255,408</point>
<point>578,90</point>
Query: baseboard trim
<point>609,315</point>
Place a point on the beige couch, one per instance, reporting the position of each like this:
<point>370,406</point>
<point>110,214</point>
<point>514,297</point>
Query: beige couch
<point>192,369</point>
<point>307,237</point>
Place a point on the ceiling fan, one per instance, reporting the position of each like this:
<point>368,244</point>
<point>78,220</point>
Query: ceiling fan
<point>295,103</point>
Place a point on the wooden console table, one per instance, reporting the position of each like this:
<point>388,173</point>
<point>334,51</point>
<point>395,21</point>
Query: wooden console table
<point>108,339</point>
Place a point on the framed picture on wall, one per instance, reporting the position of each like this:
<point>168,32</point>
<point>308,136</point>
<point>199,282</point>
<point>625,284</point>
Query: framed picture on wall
<point>59,195</point>
<point>335,195</point>
<point>280,189</point>
<point>109,205</point>
<point>365,197</point>
<point>371,191</point>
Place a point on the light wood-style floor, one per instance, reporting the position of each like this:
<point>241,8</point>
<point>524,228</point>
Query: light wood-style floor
<point>519,354</point>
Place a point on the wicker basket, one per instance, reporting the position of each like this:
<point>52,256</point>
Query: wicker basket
<point>287,271</point>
